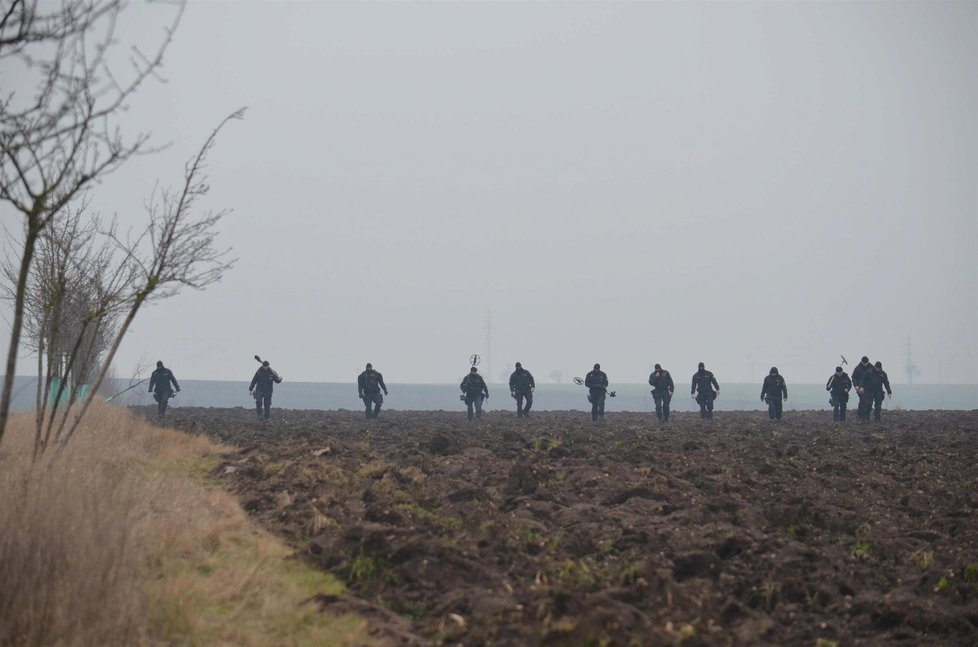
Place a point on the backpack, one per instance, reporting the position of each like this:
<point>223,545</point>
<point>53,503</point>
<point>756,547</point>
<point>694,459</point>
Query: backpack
<point>370,384</point>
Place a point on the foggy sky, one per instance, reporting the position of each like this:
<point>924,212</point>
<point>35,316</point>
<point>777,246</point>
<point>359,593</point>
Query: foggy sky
<point>743,184</point>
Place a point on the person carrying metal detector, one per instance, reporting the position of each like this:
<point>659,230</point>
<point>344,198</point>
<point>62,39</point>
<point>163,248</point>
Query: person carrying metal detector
<point>772,391</point>
<point>597,383</point>
<point>662,389</point>
<point>159,386</point>
<point>474,391</point>
<point>838,387</point>
<point>261,387</point>
<point>369,384</point>
<point>704,390</point>
<point>521,387</point>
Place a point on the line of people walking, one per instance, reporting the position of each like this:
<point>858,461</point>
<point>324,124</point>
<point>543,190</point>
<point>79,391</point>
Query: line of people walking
<point>870,381</point>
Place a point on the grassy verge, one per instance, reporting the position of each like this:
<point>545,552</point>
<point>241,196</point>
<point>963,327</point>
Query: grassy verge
<point>127,540</point>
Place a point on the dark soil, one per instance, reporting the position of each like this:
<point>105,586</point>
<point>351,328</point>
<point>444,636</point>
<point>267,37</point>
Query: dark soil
<point>557,531</point>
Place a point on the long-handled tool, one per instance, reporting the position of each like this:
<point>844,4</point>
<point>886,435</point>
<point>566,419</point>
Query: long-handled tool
<point>128,388</point>
<point>278,378</point>
<point>578,381</point>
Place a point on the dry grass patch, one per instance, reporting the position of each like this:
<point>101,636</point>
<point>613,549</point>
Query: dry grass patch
<point>125,540</point>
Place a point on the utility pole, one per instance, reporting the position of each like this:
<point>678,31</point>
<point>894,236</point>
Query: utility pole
<point>910,368</point>
<point>489,376</point>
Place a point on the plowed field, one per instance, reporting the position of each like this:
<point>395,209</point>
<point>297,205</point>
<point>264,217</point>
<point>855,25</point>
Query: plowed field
<point>557,531</point>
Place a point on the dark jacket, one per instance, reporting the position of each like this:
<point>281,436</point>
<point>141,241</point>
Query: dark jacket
<point>159,381</point>
<point>473,384</point>
<point>873,381</point>
<point>521,381</point>
<point>597,381</point>
<point>774,386</point>
<point>661,382</point>
<point>702,381</point>
<point>370,383</point>
<point>859,372</point>
<point>264,378</point>
<point>839,385</point>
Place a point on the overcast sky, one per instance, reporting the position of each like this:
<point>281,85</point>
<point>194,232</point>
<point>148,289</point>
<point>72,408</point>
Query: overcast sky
<point>744,184</point>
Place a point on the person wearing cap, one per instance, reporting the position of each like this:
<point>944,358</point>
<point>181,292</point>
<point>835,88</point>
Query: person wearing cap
<point>369,384</point>
<point>772,391</point>
<point>474,391</point>
<point>662,389</point>
<point>521,386</point>
<point>838,387</point>
<point>597,383</point>
<point>706,390</point>
<point>159,386</point>
<point>261,389</point>
<point>865,403</point>
<point>873,382</point>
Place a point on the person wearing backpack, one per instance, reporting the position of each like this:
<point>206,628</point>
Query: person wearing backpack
<point>369,384</point>
<point>474,391</point>
<point>261,388</point>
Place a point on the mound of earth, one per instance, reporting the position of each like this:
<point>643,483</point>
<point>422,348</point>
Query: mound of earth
<point>557,531</point>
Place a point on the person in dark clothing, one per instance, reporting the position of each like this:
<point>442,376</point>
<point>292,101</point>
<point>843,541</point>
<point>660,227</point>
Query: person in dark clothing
<point>865,403</point>
<point>159,386</point>
<point>838,386</point>
<point>369,384</point>
<point>662,389</point>
<point>706,390</point>
<point>597,383</point>
<point>872,384</point>
<point>474,391</point>
<point>772,391</point>
<point>521,386</point>
<point>261,388</point>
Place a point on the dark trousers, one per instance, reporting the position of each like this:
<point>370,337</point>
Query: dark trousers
<point>774,404</point>
<point>662,405</point>
<point>474,401</point>
<point>376,400</point>
<point>262,399</point>
<point>865,405</point>
<point>162,398</point>
<point>876,404</point>
<point>705,400</point>
<point>839,408</point>
<point>597,405</point>
<point>522,410</point>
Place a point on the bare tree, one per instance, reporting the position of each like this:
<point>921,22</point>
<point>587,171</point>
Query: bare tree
<point>89,283</point>
<point>74,295</point>
<point>176,249</point>
<point>59,140</point>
